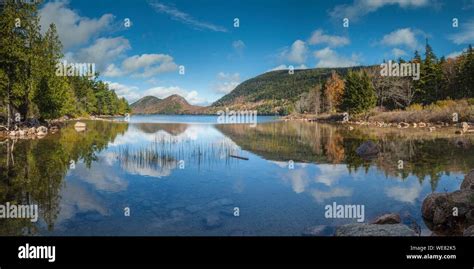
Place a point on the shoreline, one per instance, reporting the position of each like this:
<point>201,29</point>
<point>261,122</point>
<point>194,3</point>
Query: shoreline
<point>28,130</point>
<point>34,129</point>
<point>466,126</point>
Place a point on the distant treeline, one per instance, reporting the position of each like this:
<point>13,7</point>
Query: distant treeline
<point>358,89</point>
<point>30,83</point>
<point>361,90</point>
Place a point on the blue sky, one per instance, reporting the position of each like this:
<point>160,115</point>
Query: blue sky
<point>145,58</point>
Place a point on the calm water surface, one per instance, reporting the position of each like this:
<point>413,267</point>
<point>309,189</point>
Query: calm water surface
<point>177,177</point>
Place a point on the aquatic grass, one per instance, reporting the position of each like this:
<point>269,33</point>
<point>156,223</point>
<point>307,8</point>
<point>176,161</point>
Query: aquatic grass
<point>166,152</point>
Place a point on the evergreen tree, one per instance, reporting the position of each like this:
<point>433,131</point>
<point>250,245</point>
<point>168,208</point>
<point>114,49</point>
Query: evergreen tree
<point>429,88</point>
<point>466,74</point>
<point>52,95</point>
<point>29,84</point>
<point>12,57</point>
<point>359,94</point>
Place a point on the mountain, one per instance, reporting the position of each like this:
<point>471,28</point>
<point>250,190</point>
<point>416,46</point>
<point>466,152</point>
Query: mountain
<point>173,104</point>
<point>274,91</point>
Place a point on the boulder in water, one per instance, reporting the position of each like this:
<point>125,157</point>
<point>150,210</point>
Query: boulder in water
<point>80,126</point>
<point>387,219</point>
<point>362,229</point>
<point>368,150</point>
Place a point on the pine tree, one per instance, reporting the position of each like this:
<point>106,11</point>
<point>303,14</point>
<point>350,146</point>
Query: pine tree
<point>429,88</point>
<point>359,94</point>
<point>466,74</point>
<point>12,57</point>
<point>52,92</point>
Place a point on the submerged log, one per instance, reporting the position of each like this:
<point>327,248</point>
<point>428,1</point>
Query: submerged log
<point>239,157</point>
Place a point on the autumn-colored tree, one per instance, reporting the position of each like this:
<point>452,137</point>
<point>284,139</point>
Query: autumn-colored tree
<point>333,91</point>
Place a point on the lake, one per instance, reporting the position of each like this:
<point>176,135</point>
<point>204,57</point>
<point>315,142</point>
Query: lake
<point>186,175</point>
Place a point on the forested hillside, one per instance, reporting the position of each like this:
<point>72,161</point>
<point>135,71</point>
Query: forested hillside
<point>30,84</point>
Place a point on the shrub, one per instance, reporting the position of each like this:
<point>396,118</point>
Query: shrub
<point>415,107</point>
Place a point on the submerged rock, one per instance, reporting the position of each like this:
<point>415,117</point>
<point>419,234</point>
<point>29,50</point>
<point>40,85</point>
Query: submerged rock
<point>42,129</point>
<point>391,218</point>
<point>362,229</point>
<point>315,230</point>
<point>468,182</point>
<point>469,231</point>
<point>31,131</point>
<point>220,202</point>
<point>80,126</point>
<point>212,222</point>
<point>368,150</point>
<point>449,213</point>
<point>462,142</point>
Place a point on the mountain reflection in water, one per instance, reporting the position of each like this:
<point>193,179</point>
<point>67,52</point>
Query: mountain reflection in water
<point>180,178</point>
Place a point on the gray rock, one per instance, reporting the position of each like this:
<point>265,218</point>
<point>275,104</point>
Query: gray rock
<point>240,233</point>
<point>468,182</point>
<point>469,231</point>
<point>317,230</point>
<point>361,229</point>
<point>42,129</point>
<point>438,211</point>
<point>391,218</point>
<point>228,212</point>
<point>368,150</point>
<point>462,142</point>
<point>212,222</point>
<point>194,208</point>
<point>220,202</point>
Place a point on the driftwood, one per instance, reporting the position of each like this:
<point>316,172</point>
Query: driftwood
<point>239,157</point>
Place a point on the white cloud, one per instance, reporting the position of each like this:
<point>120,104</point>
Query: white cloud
<point>361,8</point>
<point>185,18</point>
<point>112,71</point>
<point>299,180</point>
<point>162,92</point>
<point>330,174</point>
<point>321,196</point>
<point>404,194</point>
<point>101,52</point>
<point>296,53</point>
<point>128,92</point>
<point>401,37</point>
<point>329,58</point>
<point>454,54</point>
<point>468,5</point>
<point>398,52</point>
<point>77,197</point>
<point>286,67</point>
<point>238,45</point>
<point>466,35</point>
<point>226,82</point>
<point>143,66</point>
<point>73,29</point>
<point>318,37</point>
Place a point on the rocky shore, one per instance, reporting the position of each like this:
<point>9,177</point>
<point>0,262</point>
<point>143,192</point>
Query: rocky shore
<point>463,127</point>
<point>34,129</point>
<point>445,214</point>
<point>451,213</point>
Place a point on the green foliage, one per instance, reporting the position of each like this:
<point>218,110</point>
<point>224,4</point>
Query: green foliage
<point>429,87</point>
<point>277,85</point>
<point>359,94</point>
<point>28,80</point>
